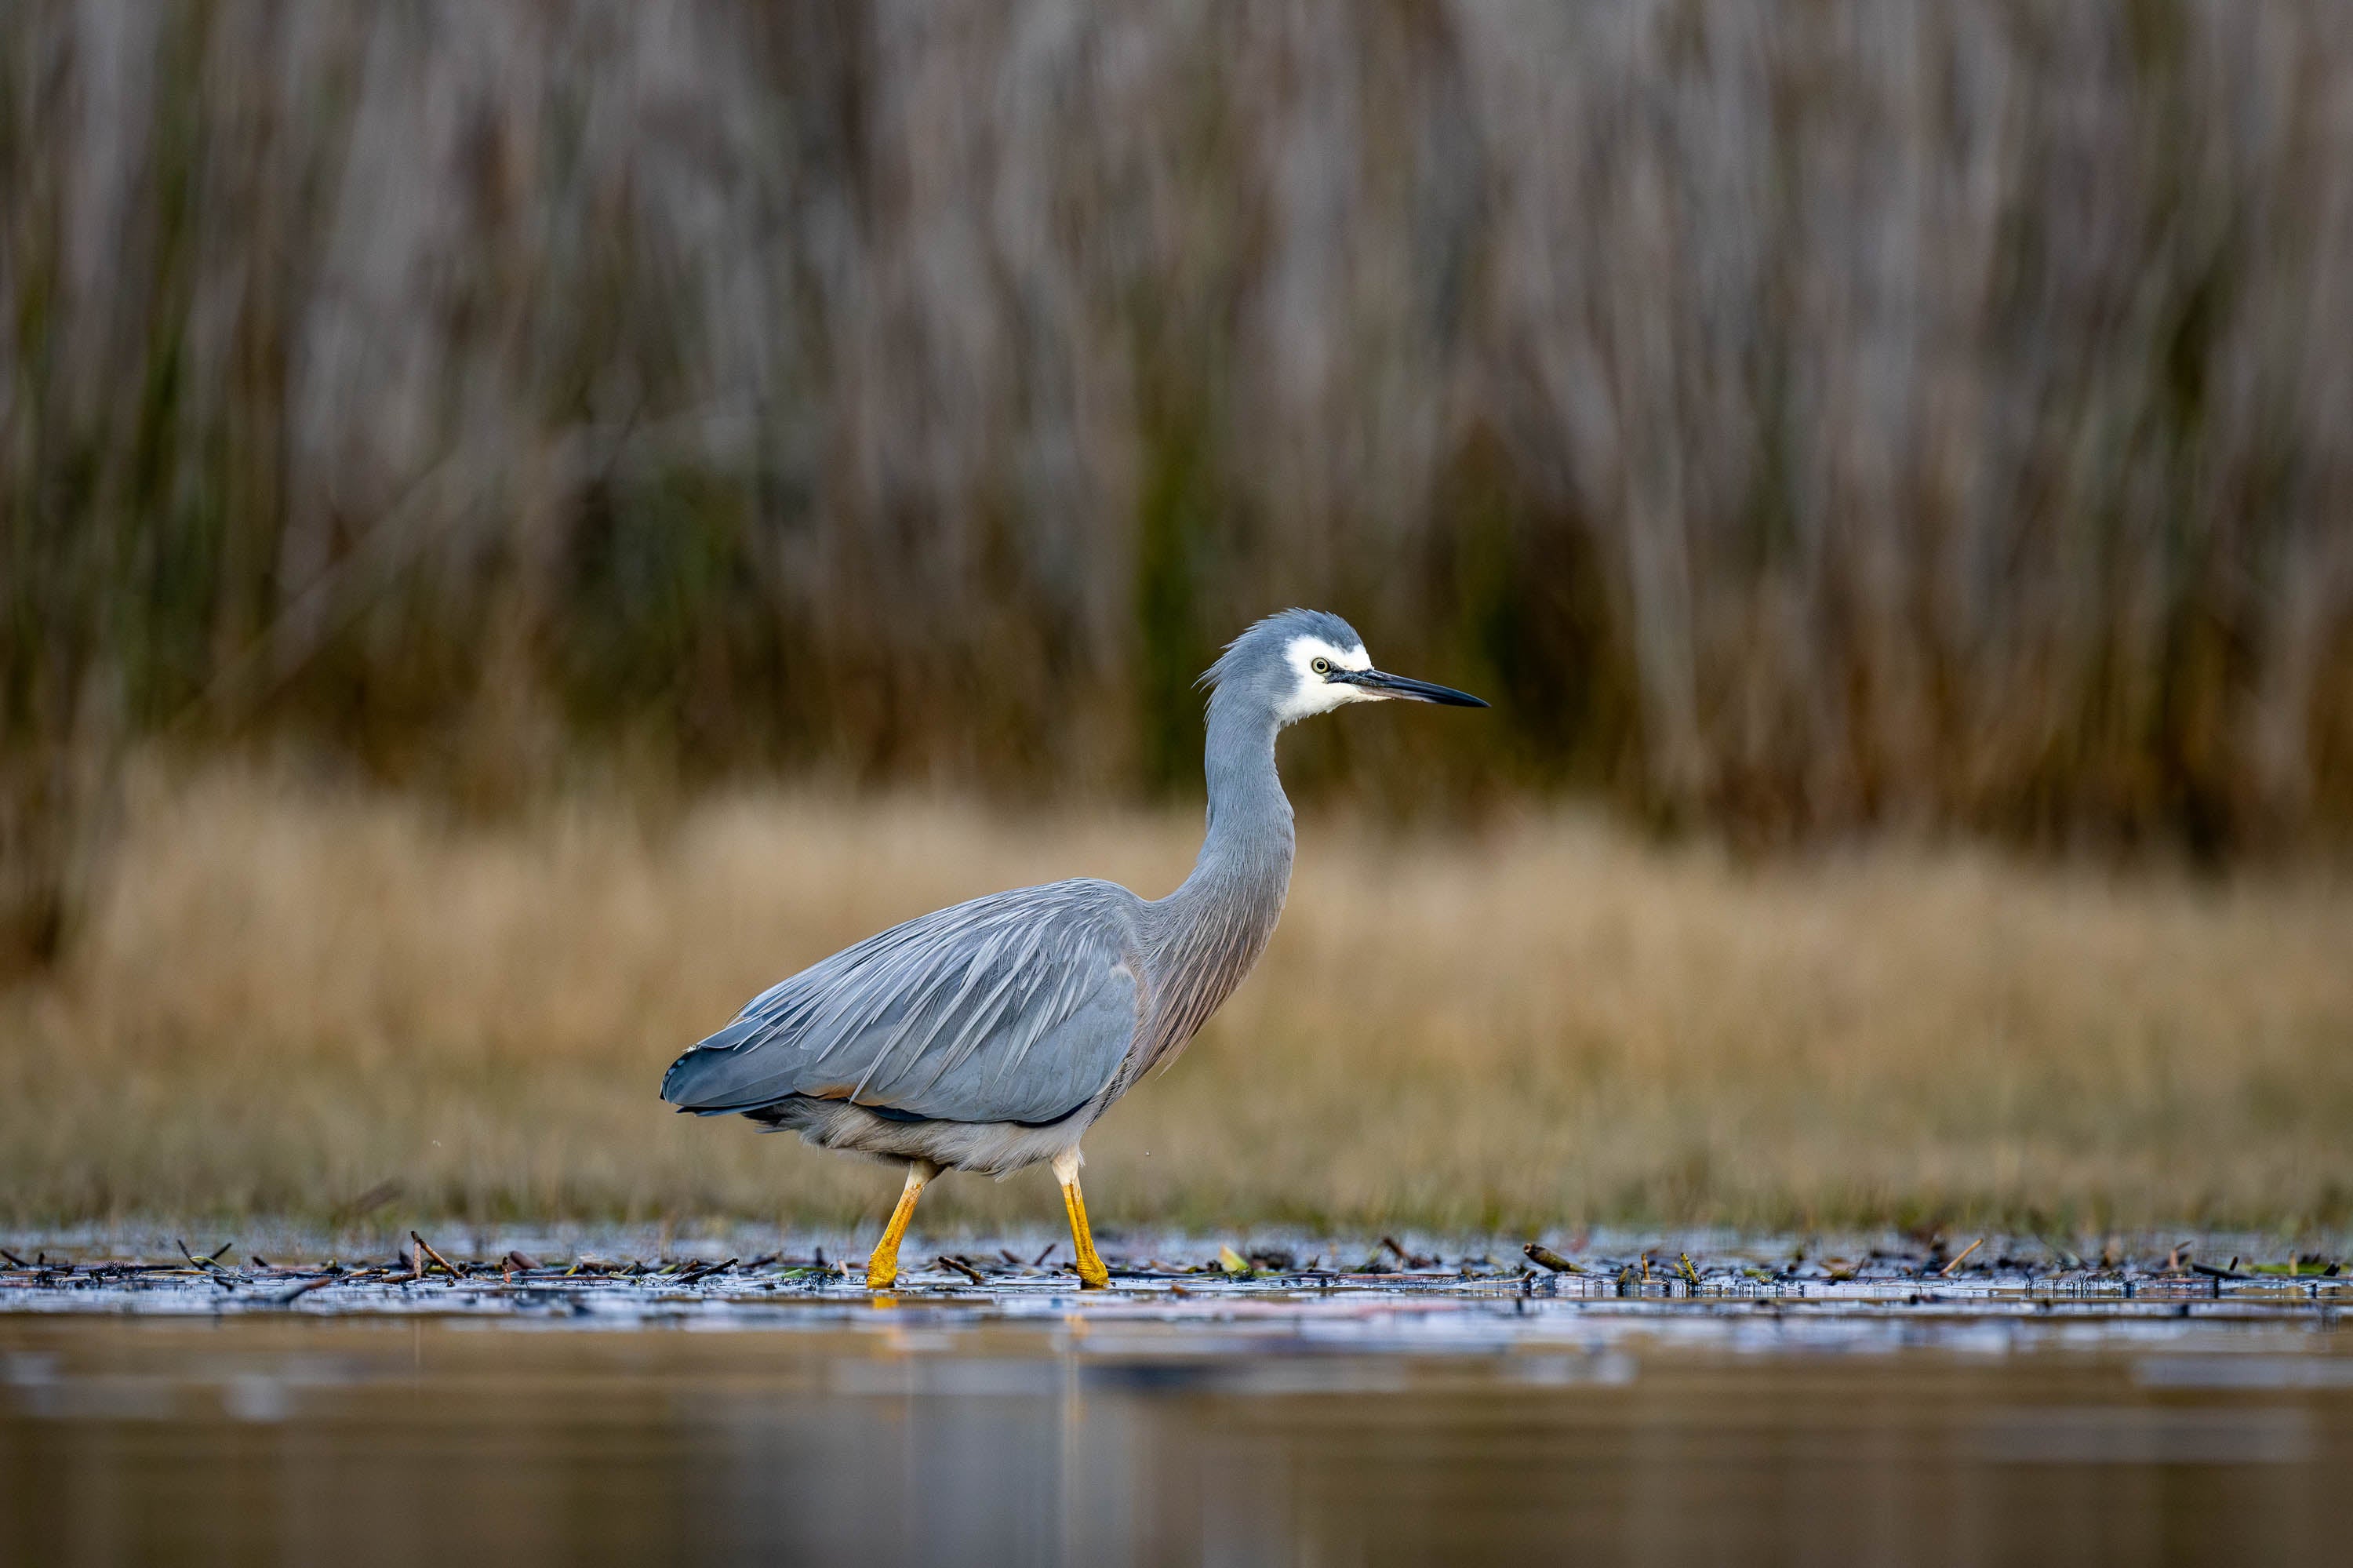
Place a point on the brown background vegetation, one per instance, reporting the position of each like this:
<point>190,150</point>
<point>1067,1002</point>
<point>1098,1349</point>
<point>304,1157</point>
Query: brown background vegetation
<point>1798,415</point>
<point>286,999</point>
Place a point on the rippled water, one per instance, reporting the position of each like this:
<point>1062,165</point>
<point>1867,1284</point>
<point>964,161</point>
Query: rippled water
<point>1271,1425</point>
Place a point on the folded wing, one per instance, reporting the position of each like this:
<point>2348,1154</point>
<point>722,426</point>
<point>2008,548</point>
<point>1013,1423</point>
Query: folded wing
<point>1016,1007</point>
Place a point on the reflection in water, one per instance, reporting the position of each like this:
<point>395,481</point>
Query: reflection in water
<point>1088,1439</point>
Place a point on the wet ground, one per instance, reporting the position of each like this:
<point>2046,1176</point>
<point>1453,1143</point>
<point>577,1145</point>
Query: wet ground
<point>1405,1401</point>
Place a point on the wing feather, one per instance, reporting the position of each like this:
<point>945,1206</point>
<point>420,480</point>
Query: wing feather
<point>941,1017</point>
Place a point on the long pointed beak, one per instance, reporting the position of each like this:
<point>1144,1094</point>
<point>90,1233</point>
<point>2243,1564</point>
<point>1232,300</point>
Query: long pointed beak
<point>1381,684</point>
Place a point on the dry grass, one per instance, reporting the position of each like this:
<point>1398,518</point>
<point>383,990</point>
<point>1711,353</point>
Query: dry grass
<point>289,997</point>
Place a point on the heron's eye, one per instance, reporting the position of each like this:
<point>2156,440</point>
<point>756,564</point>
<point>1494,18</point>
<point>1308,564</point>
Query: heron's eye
<point>1322,666</point>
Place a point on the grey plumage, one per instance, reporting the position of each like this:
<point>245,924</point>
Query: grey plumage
<point>991,1034</point>
<point>965,1015</point>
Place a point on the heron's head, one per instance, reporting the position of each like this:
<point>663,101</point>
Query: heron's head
<point>1299,662</point>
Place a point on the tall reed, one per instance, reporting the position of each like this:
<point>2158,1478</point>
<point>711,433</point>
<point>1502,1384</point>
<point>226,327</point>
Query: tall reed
<point>1797,415</point>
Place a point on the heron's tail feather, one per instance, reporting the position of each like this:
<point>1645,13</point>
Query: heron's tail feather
<point>711,1075</point>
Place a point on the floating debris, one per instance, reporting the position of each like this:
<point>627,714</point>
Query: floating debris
<point>1708,1274</point>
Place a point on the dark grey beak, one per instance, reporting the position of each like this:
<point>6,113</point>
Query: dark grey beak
<point>1412,691</point>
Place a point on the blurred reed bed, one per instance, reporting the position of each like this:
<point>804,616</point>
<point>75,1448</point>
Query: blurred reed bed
<point>310,1004</point>
<point>1799,416</point>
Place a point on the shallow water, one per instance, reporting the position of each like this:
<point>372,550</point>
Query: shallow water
<point>1401,1422</point>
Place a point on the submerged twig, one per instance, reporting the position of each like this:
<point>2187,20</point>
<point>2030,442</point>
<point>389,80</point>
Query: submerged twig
<point>301,1288</point>
<point>207,1266</point>
<point>1410,1260</point>
<point>446,1266</point>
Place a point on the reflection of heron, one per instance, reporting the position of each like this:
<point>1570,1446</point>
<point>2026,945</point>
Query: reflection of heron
<point>990,1035</point>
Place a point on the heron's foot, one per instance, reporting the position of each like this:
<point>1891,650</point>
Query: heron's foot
<point>1092,1275</point>
<point>883,1266</point>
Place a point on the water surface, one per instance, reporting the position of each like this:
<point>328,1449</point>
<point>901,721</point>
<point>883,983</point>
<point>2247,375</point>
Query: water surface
<point>1277,1426</point>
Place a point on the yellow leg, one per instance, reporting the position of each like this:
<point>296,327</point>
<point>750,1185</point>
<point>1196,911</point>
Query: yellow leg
<point>882,1267</point>
<point>1092,1275</point>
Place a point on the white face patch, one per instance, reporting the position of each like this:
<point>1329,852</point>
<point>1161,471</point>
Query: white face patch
<point>1314,695</point>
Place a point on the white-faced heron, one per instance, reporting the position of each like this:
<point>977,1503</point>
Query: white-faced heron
<point>990,1035</point>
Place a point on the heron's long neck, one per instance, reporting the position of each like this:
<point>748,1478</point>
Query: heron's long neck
<point>1245,860</point>
<point>1209,933</point>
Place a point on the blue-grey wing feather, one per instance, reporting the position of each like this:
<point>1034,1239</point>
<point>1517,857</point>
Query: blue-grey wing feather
<point>1020,1006</point>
